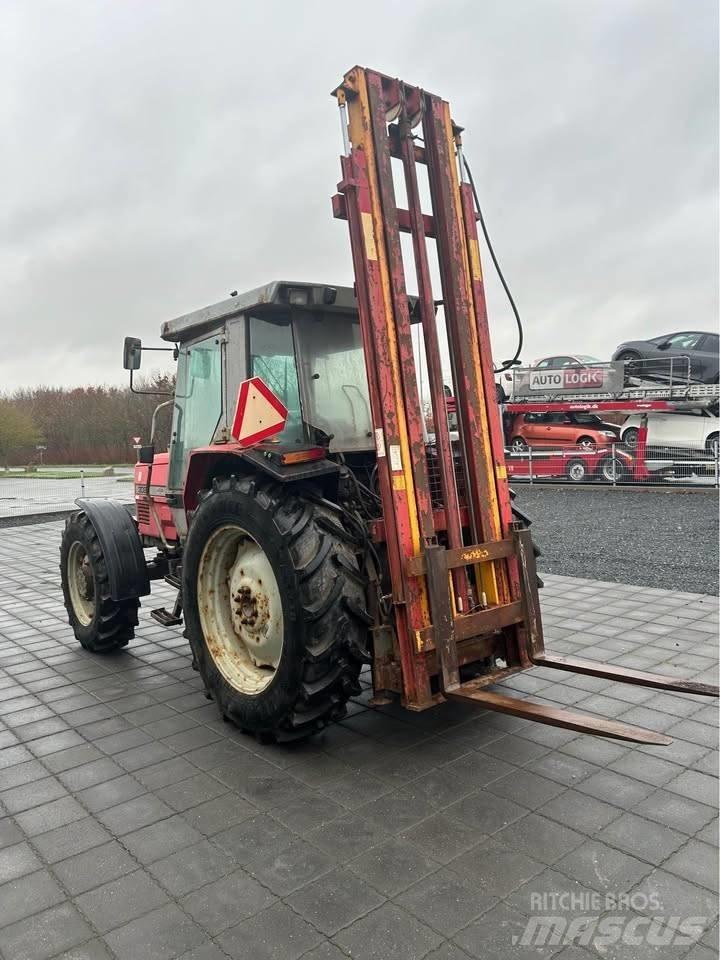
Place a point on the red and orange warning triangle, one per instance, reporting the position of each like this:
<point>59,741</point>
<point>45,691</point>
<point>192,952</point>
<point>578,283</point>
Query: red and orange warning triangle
<point>259,413</point>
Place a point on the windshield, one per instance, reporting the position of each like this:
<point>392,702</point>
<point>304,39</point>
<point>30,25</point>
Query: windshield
<point>334,380</point>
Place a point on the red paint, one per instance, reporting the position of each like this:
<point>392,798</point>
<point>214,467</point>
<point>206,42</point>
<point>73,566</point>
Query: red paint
<point>154,516</point>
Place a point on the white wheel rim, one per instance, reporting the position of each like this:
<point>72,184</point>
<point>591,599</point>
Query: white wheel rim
<point>611,470</point>
<point>577,471</point>
<point>81,583</point>
<point>587,445</point>
<point>240,609</point>
<point>518,446</point>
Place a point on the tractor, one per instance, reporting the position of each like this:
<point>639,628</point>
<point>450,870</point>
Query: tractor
<point>307,520</point>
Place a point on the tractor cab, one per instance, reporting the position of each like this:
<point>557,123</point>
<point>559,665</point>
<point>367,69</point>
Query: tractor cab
<point>303,340</point>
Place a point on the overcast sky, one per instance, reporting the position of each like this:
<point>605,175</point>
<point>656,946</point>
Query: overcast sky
<point>159,153</point>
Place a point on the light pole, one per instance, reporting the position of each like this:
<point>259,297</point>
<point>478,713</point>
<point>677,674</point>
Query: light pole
<point>41,448</point>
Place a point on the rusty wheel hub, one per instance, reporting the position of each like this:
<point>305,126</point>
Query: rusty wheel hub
<point>81,583</point>
<point>240,609</point>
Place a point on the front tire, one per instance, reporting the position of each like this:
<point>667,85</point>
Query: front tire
<point>518,445</point>
<point>100,623</point>
<point>274,607</point>
<point>586,443</point>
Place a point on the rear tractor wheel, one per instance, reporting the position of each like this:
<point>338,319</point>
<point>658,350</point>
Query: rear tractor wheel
<point>274,607</point>
<point>100,623</point>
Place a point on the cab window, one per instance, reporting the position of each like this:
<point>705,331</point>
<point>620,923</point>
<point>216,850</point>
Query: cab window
<point>272,358</point>
<point>198,403</point>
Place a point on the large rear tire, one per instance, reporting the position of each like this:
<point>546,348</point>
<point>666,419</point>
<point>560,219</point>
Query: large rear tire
<point>274,607</point>
<point>100,623</point>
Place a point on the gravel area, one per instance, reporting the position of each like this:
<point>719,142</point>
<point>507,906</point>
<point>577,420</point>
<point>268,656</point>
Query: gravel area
<point>647,537</point>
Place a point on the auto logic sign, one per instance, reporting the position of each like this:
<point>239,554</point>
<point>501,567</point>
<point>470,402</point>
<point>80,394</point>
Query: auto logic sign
<point>600,378</point>
<point>569,378</point>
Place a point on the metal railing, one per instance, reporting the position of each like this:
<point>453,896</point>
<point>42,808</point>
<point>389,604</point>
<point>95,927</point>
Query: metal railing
<point>23,494</point>
<point>616,464</point>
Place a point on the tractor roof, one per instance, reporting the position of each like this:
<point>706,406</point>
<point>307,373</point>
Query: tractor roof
<point>277,293</point>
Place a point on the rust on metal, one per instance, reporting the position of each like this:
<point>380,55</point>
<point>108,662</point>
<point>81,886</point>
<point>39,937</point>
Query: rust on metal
<point>624,675</point>
<point>443,625</point>
<point>479,623</point>
<point>555,717</point>
<point>464,556</point>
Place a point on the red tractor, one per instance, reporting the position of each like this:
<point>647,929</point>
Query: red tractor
<point>304,518</point>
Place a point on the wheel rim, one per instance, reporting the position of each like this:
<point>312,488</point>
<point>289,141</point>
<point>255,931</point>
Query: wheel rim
<point>518,446</point>
<point>631,439</point>
<point>611,470</point>
<point>587,444</point>
<point>81,583</point>
<point>240,609</point>
<point>577,471</point>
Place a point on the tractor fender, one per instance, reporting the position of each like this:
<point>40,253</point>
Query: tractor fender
<point>121,546</point>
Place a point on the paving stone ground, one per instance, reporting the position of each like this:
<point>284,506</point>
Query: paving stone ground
<point>135,824</point>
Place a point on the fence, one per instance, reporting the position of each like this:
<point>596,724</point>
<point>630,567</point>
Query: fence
<point>616,465</point>
<point>22,494</point>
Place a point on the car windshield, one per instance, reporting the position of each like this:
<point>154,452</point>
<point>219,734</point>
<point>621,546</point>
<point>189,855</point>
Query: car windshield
<point>586,359</point>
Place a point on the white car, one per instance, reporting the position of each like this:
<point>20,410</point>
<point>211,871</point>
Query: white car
<point>691,431</point>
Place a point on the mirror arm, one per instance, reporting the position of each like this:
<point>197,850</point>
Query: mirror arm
<point>148,393</point>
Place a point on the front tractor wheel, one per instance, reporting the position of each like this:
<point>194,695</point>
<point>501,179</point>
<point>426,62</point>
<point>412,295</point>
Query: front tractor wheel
<point>100,623</point>
<point>274,607</point>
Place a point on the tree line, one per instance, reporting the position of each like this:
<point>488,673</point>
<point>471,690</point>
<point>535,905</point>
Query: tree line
<point>85,425</point>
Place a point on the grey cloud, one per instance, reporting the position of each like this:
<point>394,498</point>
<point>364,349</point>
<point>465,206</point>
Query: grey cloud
<point>157,155</point>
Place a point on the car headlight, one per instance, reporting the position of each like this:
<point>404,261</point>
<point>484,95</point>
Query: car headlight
<point>608,433</point>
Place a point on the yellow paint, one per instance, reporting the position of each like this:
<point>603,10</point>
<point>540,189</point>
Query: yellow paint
<point>475,260</point>
<point>360,131</point>
<point>501,471</point>
<point>490,575</point>
<point>477,554</point>
<point>398,482</point>
<point>369,235</point>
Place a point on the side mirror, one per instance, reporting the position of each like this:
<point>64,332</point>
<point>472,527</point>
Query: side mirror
<point>132,353</point>
<point>664,345</point>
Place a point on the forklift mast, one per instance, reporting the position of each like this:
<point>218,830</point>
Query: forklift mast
<point>443,617</point>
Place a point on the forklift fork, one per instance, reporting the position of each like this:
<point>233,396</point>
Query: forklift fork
<point>463,577</point>
<point>532,653</point>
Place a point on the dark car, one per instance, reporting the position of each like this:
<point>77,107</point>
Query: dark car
<point>701,349</point>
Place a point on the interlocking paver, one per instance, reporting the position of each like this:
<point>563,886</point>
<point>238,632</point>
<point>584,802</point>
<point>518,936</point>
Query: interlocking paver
<point>277,933</point>
<point>44,934</point>
<point>28,895</point>
<point>191,867</point>
<point>225,902</point>
<point>120,900</point>
<point>389,932</point>
<point>94,867</point>
<point>391,835</point>
<point>159,935</point>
